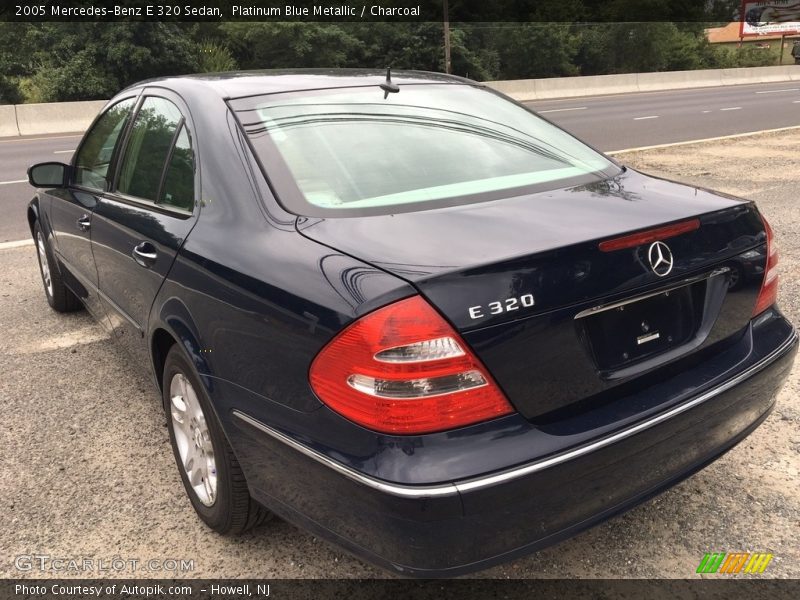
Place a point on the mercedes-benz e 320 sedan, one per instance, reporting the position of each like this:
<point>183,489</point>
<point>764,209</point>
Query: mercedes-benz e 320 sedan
<point>407,313</point>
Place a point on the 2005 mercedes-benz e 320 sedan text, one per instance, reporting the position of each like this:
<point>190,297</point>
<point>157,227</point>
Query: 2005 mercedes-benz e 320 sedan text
<point>407,313</point>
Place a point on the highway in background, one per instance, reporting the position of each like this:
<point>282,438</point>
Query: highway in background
<point>609,123</point>
<point>16,155</point>
<point>626,121</point>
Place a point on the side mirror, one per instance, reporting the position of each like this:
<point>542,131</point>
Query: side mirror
<point>48,175</point>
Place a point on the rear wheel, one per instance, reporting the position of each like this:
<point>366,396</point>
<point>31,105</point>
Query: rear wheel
<point>59,297</point>
<point>211,475</point>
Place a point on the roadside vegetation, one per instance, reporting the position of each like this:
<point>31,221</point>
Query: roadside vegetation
<point>49,62</point>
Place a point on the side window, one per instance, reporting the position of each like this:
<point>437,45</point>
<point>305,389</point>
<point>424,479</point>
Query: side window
<point>148,148</point>
<point>94,157</point>
<point>179,178</point>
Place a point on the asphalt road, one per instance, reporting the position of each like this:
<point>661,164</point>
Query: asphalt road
<point>609,123</point>
<point>650,118</point>
<point>16,155</point>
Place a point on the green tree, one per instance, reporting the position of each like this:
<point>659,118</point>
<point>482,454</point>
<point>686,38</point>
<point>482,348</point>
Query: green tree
<point>84,61</point>
<point>421,46</point>
<point>537,50</point>
<point>278,45</point>
<point>9,91</point>
<point>643,47</point>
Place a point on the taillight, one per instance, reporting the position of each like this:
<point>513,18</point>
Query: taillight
<point>769,286</point>
<point>404,369</point>
<point>651,235</point>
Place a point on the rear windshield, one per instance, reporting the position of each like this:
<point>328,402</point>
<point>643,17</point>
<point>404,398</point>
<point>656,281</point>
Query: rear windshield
<point>353,152</point>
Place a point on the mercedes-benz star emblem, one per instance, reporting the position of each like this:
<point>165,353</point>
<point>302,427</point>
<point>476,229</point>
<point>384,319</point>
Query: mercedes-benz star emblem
<point>660,257</point>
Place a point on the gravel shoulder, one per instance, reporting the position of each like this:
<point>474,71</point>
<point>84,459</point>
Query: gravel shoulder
<point>87,469</point>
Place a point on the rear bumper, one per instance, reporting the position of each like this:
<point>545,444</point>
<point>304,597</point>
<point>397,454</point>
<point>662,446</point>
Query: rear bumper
<point>452,528</point>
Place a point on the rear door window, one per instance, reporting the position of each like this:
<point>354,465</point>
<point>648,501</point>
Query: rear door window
<point>158,164</point>
<point>178,189</point>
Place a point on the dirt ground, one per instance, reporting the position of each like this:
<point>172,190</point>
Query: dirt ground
<point>87,470</point>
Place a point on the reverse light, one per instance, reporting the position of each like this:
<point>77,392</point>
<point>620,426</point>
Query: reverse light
<point>403,369</point>
<point>769,286</point>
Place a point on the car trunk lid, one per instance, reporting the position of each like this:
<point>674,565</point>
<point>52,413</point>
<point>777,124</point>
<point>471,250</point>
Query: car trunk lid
<point>555,317</point>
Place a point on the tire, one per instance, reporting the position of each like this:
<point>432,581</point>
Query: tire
<point>59,297</point>
<point>214,481</point>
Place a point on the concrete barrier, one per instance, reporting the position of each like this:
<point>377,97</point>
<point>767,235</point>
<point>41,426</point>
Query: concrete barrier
<point>8,120</point>
<point>69,117</point>
<point>57,117</point>
<point>571,87</point>
<point>678,80</point>
<point>595,85</point>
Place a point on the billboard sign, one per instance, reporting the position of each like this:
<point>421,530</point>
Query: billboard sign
<point>779,17</point>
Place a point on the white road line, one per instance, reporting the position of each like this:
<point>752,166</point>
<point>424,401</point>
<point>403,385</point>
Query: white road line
<point>732,108</point>
<point>706,111</point>
<point>643,118</point>
<point>62,151</point>
<point>795,101</point>
<point>552,110</point>
<point>15,244</point>
<point>779,91</point>
<point>711,139</point>
<point>15,181</point>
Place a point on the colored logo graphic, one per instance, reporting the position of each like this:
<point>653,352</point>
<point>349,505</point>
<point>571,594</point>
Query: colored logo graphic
<point>737,562</point>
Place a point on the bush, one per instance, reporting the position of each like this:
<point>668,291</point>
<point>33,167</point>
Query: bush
<point>215,57</point>
<point>750,56</point>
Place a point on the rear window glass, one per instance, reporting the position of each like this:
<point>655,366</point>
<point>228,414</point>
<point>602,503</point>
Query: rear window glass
<point>352,151</point>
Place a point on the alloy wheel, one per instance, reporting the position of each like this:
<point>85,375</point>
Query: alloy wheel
<point>45,266</point>
<point>193,439</point>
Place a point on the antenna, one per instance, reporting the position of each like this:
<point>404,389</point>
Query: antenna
<point>387,86</point>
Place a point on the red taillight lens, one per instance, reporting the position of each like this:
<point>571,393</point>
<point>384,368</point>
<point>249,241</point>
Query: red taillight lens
<point>769,287</point>
<point>651,235</point>
<point>404,369</point>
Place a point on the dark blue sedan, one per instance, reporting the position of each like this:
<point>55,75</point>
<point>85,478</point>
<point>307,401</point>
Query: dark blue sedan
<point>408,314</point>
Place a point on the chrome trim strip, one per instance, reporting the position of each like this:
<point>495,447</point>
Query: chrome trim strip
<point>602,443</point>
<point>407,491</point>
<point>643,339</point>
<point>604,307</point>
<point>448,489</point>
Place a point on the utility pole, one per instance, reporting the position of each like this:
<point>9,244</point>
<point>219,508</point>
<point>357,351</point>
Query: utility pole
<point>447,65</point>
<point>783,43</point>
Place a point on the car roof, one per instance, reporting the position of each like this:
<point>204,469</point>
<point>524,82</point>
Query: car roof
<point>237,84</point>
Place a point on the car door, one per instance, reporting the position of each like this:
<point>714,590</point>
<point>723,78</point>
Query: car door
<point>71,208</point>
<point>138,226</point>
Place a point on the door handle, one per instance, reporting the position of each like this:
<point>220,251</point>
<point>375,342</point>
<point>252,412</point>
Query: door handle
<point>84,222</point>
<point>145,254</point>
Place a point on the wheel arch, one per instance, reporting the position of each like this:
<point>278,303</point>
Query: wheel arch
<point>160,343</point>
<point>33,216</point>
<point>33,212</point>
<point>174,325</point>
